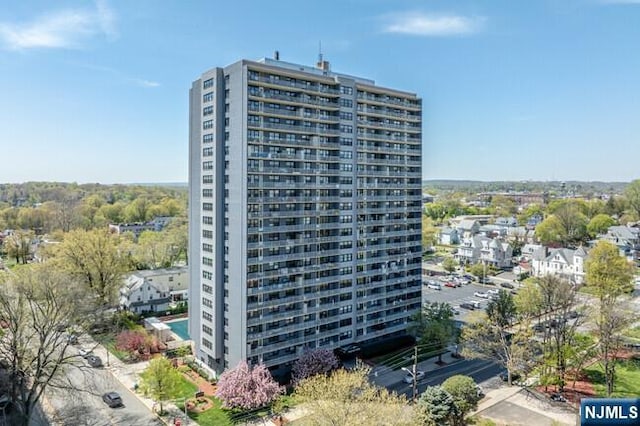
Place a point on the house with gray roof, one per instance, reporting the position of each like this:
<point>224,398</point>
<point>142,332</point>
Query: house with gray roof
<point>563,262</point>
<point>490,251</point>
<point>154,290</point>
<point>626,238</point>
<point>448,236</point>
<point>467,228</point>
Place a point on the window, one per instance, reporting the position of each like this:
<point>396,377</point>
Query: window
<point>207,316</point>
<point>207,178</point>
<point>207,152</point>
<point>207,110</point>
<point>207,330</point>
<point>208,138</point>
<point>208,124</point>
<point>207,97</point>
<point>207,193</point>
<point>207,344</point>
<point>346,90</point>
<point>207,84</point>
<point>207,275</point>
<point>207,302</point>
<point>207,165</point>
<point>346,115</point>
<point>348,103</point>
<point>207,220</point>
<point>207,248</point>
<point>208,207</point>
<point>346,129</point>
<point>207,233</point>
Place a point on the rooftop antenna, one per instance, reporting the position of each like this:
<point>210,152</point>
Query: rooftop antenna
<point>319,51</point>
<point>322,64</point>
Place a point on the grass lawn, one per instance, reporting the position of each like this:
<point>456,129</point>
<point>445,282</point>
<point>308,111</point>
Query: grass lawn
<point>187,388</point>
<point>627,383</point>
<point>212,417</point>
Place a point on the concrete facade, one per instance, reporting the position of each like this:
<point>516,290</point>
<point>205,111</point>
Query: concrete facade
<point>305,212</point>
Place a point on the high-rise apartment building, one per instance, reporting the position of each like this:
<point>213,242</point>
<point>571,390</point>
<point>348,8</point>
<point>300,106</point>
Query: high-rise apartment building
<point>304,212</point>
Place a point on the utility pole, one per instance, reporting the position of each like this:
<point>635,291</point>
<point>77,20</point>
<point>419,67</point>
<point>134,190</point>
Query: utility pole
<point>415,373</point>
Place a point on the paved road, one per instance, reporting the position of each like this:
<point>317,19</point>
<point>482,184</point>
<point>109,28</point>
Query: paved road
<point>480,370</point>
<point>86,408</point>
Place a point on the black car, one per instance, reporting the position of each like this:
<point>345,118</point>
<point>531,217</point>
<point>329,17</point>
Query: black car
<point>112,399</point>
<point>506,285</point>
<point>468,306</point>
<point>94,361</point>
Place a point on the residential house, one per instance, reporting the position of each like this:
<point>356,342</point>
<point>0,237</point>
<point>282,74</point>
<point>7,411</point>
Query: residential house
<point>137,228</point>
<point>467,228</point>
<point>154,290</point>
<point>533,221</point>
<point>626,238</point>
<point>507,222</point>
<point>529,251</point>
<point>490,251</point>
<point>449,236</point>
<point>564,262</point>
<point>492,231</point>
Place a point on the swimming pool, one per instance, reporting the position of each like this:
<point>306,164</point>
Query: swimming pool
<point>180,327</point>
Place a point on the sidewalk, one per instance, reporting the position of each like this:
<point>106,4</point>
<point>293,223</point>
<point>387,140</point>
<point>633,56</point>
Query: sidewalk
<point>127,375</point>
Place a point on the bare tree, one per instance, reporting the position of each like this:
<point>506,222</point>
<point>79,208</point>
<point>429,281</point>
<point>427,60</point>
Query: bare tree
<point>37,304</point>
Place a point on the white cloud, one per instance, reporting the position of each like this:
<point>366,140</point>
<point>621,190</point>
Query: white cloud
<point>118,74</point>
<point>63,29</point>
<point>145,83</point>
<point>420,24</point>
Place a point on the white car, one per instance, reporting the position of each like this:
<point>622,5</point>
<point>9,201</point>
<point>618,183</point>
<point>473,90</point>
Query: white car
<point>85,352</point>
<point>481,295</point>
<point>409,377</point>
<point>493,291</point>
<point>434,285</point>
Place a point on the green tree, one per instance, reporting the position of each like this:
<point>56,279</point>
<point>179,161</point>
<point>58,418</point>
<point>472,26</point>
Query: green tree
<point>464,391</point>
<point>18,245</point>
<point>93,257</point>
<point>435,325</point>
<point>550,231</point>
<point>436,407</point>
<point>347,397</point>
<point>137,210</point>
<point>632,195</point>
<point>599,224</point>
<point>160,380</point>
<point>449,264</point>
<point>609,276</point>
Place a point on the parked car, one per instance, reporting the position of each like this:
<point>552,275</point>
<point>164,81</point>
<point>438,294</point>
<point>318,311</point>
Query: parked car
<point>481,295</point>
<point>507,285</point>
<point>409,377</point>
<point>468,306</point>
<point>493,291</point>
<point>112,399</point>
<point>434,285</point>
<point>475,303</point>
<point>94,361</point>
<point>557,397</point>
<point>73,339</point>
<point>450,284</point>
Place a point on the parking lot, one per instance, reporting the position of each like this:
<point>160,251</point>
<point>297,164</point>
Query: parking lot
<point>456,296</point>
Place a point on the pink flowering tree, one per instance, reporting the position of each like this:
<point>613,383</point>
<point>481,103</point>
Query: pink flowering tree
<point>310,363</point>
<point>247,388</point>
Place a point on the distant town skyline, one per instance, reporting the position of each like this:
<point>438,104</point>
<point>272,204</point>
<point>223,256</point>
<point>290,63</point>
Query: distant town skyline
<point>512,91</point>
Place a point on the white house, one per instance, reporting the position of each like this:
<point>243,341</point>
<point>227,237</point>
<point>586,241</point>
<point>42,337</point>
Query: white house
<point>626,238</point>
<point>467,228</point>
<point>482,249</point>
<point>563,262</point>
<point>449,236</point>
<point>154,290</point>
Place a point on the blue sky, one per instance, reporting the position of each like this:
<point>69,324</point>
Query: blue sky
<point>97,91</point>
